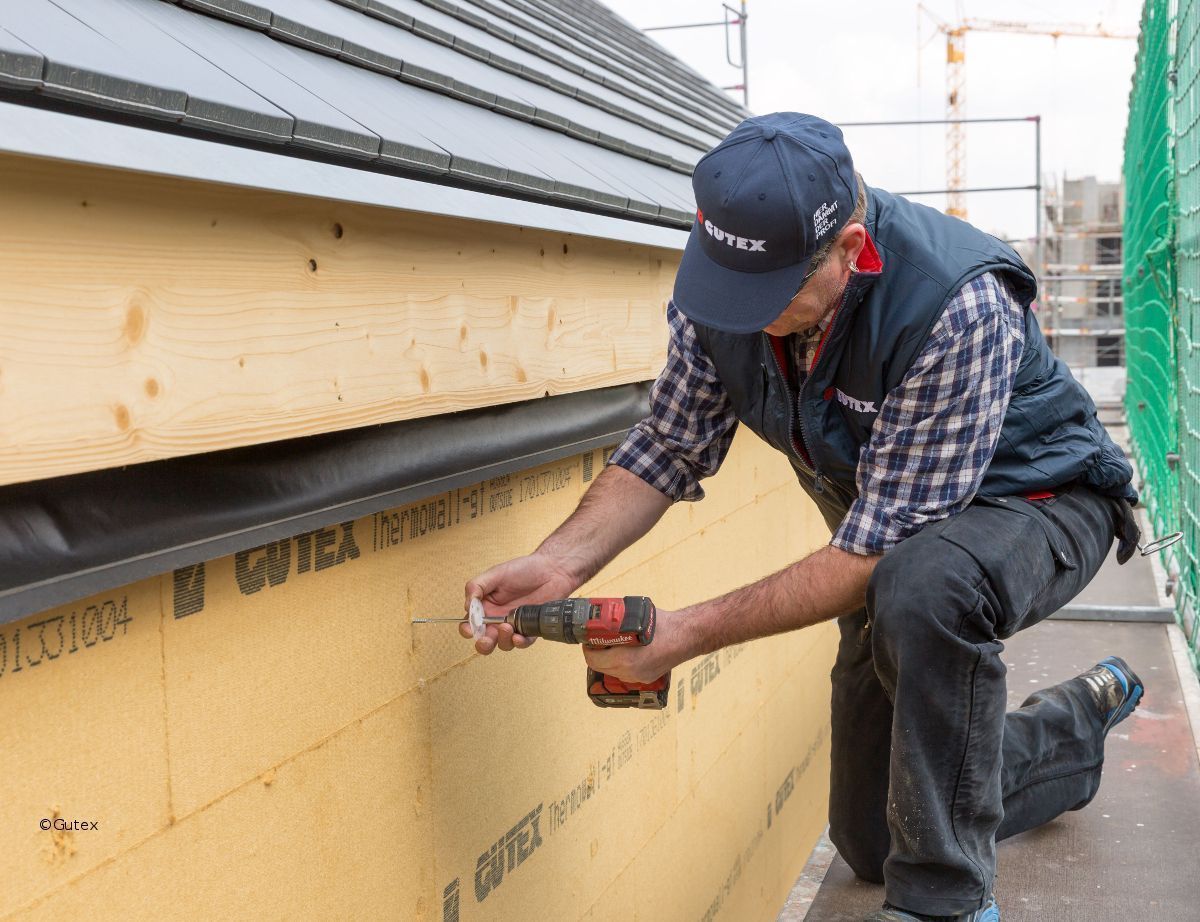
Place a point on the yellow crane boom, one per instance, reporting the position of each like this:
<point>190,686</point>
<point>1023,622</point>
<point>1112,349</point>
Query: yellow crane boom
<point>956,60</point>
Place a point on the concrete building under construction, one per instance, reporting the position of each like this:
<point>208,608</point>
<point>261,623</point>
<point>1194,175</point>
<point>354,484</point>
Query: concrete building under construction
<point>1083,313</point>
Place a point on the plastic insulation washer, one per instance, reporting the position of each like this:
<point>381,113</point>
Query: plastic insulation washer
<point>475,618</point>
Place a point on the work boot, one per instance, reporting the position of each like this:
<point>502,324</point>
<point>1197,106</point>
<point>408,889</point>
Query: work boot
<point>989,913</point>
<point>1115,688</point>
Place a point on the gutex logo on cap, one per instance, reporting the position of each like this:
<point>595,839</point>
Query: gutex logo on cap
<point>733,240</point>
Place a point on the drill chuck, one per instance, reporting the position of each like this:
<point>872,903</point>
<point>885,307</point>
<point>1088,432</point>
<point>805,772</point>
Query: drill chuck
<point>563,620</point>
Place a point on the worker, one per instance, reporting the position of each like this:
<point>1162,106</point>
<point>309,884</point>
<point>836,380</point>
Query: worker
<point>890,352</point>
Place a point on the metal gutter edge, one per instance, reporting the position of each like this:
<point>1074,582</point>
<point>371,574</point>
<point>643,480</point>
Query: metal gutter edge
<point>1153,613</point>
<point>67,538</point>
<point>61,136</point>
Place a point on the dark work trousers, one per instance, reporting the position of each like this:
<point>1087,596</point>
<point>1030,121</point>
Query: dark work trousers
<point>928,770</point>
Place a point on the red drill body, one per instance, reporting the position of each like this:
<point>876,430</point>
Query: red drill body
<point>599,623</point>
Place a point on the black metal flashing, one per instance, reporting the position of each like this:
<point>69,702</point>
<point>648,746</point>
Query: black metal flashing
<point>69,537</point>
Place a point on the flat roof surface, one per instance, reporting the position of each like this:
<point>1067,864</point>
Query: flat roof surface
<point>1127,854</point>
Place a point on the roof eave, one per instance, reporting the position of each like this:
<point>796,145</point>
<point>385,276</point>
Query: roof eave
<point>62,136</point>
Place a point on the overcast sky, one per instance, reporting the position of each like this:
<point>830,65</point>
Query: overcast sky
<point>860,62</point>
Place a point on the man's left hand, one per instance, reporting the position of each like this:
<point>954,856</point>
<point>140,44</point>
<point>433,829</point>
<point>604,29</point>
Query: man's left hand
<point>670,647</point>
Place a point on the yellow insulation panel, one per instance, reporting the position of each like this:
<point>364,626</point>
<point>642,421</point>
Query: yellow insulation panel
<point>267,736</point>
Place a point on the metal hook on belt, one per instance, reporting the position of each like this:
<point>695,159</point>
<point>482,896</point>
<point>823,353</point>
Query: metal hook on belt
<point>1159,544</point>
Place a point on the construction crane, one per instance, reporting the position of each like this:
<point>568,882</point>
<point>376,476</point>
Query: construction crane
<point>956,59</point>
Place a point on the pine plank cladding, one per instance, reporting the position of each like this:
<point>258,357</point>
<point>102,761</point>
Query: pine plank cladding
<point>149,317</point>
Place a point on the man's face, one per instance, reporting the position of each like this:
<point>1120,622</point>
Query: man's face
<point>817,297</point>
<point>822,291</point>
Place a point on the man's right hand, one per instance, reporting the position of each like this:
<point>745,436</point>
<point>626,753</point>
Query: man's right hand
<point>527,580</point>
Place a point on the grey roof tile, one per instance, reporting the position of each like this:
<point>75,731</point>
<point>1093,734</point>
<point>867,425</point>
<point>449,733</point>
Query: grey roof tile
<point>551,119</point>
<point>478,52</point>
<point>375,101</point>
<point>388,13</point>
<point>584,134</point>
<point>441,36</point>
<point>553,101</point>
<point>214,99</point>
<point>239,11</point>
<point>500,32</point>
<point>644,209</point>
<point>304,35</point>
<point>20,65</point>
<point>516,109</point>
<point>256,60</point>
<point>634,95</point>
<point>370,57</point>
<point>81,67</point>
<point>438,67</point>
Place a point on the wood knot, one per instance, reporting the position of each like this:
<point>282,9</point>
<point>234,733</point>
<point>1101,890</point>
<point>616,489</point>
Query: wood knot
<point>135,322</point>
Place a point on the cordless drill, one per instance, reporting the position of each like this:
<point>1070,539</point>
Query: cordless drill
<point>598,623</point>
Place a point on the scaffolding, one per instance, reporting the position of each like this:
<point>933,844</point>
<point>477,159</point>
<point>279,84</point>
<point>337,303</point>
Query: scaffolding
<point>1083,306</point>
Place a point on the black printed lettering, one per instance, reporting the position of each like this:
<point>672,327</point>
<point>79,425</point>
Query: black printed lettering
<point>272,563</point>
<point>347,548</point>
<point>45,641</point>
<point>325,556</point>
<point>450,902</point>
<point>509,853</point>
<point>304,552</point>
<point>189,590</point>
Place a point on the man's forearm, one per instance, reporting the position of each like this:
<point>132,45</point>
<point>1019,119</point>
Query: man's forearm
<point>826,584</point>
<point>617,509</point>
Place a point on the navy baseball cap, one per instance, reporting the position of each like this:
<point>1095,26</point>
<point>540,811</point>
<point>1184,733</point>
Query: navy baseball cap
<point>767,197</point>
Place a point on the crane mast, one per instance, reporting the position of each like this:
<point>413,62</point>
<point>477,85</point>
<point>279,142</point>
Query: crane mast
<point>956,60</point>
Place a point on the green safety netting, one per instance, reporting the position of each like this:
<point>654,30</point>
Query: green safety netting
<point>1162,281</point>
<point>1186,87</point>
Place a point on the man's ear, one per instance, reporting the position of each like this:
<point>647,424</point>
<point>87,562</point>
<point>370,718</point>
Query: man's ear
<point>851,242</point>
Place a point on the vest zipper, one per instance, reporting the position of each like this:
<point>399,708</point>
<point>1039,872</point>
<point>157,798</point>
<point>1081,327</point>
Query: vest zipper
<point>818,477</point>
<point>799,449</point>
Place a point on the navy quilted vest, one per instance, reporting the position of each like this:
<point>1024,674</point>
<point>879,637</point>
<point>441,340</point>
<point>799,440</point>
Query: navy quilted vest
<point>1050,436</point>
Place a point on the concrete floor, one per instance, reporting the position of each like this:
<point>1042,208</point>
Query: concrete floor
<point>1130,854</point>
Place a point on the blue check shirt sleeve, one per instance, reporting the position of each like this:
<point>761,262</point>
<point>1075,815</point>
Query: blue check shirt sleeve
<point>937,430</point>
<point>691,423</point>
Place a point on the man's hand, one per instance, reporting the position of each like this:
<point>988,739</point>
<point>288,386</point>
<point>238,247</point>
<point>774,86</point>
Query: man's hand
<point>673,644</point>
<point>618,508</point>
<point>526,580</point>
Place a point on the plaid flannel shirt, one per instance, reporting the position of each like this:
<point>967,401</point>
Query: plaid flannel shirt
<point>931,444</point>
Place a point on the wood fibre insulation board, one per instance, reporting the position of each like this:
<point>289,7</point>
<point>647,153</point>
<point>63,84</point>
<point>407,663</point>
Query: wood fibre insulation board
<point>267,735</point>
<point>149,317</point>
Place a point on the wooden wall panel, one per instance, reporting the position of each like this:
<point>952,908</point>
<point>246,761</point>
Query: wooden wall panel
<point>146,317</point>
